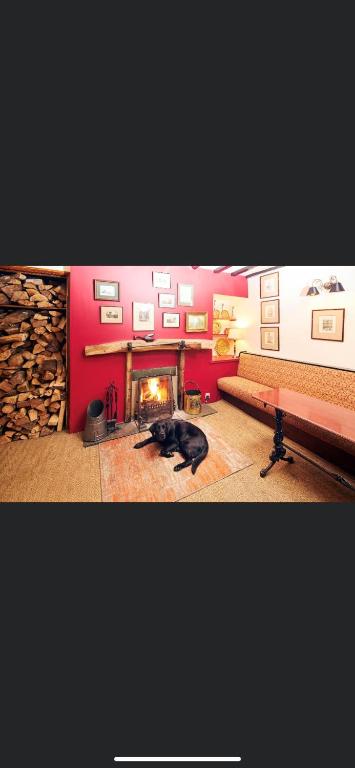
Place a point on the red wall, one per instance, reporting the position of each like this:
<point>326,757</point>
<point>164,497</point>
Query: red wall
<point>89,377</point>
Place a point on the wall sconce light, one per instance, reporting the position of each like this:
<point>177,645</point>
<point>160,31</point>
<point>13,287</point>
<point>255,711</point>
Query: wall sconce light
<point>332,286</point>
<point>335,286</point>
<point>233,335</point>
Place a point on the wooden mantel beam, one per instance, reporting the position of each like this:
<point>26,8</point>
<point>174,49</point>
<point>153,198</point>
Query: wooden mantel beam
<point>141,346</point>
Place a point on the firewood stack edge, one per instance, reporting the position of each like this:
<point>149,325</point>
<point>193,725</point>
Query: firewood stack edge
<point>33,353</point>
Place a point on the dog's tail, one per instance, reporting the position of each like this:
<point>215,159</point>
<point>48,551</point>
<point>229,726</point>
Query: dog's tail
<point>199,459</point>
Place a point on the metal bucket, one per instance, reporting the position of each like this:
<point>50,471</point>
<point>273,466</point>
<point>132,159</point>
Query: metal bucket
<point>193,400</point>
<point>96,424</point>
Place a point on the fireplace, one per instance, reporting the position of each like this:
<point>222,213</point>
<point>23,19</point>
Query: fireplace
<point>155,398</point>
<point>153,394</point>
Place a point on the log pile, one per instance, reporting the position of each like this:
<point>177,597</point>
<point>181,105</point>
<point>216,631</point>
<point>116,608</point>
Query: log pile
<point>30,291</point>
<point>32,358</point>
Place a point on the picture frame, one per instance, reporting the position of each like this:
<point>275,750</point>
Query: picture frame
<point>270,312</point>
<point>143,316</point>
<point>111,315</point>
<point>270,285</point>
<point>162,280</point>
<point>196,322</point>
<point>106,290</point>
<point>270,338</point>
<point>171,320</point>
<point>186,294</point>
<point>328,324</point>
<point>167,300</point>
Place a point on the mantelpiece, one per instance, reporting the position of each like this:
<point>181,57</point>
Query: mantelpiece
<point>181,346</point>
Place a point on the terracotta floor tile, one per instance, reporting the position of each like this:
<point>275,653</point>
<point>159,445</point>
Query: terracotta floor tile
<point>128,475</point>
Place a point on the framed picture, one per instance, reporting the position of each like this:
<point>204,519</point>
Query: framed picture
<point>270,311</point>
<point>269,286</point>
<point>270,339</point>
<point>167,300</point>
<point>162,280</point>
<point>185,295</point>
<point>106,290</point>
<point>196,322</point>
<point>112,315</point>
<point>143,316</point>
<point>171,320</point>
<point>328,324</point>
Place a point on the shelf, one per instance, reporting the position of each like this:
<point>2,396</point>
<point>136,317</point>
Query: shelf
<point>224,359</point>
<point>32,309</point>
<point>37,271</point>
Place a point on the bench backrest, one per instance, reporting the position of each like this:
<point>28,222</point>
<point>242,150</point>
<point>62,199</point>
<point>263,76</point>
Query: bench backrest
<point>331,384</point>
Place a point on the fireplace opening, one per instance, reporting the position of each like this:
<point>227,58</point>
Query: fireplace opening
<point>155,398</point>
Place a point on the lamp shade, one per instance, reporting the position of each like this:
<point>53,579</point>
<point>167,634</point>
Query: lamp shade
<point>313,291</point>
<point>233,334</point>
<point>336,288</point>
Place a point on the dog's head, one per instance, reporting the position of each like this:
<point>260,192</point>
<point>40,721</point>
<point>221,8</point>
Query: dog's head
<point>160,430</point>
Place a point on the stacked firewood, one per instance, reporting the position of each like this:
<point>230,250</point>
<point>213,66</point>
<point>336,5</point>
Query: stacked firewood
<point>31,291</point>
<point>32,359</point>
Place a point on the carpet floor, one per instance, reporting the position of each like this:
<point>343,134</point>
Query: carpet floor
<point>58,468</point>
<point>54,468</point>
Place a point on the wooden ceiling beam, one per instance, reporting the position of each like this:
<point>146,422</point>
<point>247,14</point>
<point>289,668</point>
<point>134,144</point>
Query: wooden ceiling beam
<point>241,271</point>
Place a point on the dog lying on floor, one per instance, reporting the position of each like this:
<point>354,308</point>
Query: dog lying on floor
<point>181,437</point>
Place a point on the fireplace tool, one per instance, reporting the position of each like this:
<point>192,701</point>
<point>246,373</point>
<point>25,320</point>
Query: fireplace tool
<point>112,408</point>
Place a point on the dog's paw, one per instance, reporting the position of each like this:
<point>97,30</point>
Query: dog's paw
<point>166,455</point>
<point>178,468</point>
<point>139,445</point>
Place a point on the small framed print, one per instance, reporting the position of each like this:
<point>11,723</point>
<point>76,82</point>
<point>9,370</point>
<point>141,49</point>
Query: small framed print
<point>162,280</point>
<point>106,290</point>
<point>328,324</point>
<point>112,315</point>
<point>167,300</point>
<point>185,295</point>
<point>196,322</point>
<point>270,339</point>
<point>171,320</point>
<point>143,316</point>
<point>269,286</point>
<point>270,311</point>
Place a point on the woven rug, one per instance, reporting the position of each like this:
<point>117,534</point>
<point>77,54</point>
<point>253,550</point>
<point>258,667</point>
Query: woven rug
<point>128,475</point>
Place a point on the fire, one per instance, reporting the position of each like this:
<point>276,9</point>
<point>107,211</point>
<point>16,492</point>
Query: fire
<point>154,390</point>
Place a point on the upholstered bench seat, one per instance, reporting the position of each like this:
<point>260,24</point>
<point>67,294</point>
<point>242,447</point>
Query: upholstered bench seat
<point>237,386</point>
<point>258,373</point>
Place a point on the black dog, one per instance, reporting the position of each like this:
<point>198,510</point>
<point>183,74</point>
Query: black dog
<point>180,436</point>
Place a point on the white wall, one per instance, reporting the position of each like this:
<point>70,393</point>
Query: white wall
<point>296,317</point>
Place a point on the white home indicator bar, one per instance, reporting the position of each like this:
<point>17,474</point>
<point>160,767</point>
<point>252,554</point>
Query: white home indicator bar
<point>178,759</point>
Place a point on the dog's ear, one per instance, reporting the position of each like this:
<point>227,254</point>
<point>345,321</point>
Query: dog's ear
<point>152,429</point>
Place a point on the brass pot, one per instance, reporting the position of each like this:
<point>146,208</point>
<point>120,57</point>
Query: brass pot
<point>193,400</point>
